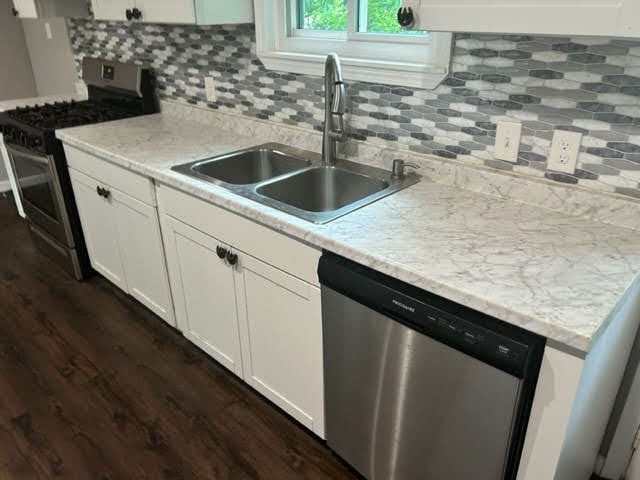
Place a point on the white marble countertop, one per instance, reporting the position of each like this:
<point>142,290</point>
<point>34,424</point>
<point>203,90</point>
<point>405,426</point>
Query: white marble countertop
<point>31,101</point>
<point>553,274</point>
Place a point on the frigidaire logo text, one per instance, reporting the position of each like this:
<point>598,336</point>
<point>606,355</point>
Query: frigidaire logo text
<point>403,305</point>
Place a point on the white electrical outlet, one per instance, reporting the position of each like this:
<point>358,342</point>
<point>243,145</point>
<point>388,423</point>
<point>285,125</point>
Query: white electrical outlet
<point>507,141</point>
<point>564,151</point>
<point>210,89</point>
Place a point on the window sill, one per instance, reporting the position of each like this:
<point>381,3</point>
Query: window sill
<point>357,69</point>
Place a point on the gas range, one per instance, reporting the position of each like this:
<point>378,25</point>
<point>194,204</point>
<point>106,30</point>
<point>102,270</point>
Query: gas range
<point>33,127</point>
<point>37,159</point>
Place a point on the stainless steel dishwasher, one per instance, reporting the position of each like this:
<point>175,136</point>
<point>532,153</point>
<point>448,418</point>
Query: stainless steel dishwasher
<point>418,387</point>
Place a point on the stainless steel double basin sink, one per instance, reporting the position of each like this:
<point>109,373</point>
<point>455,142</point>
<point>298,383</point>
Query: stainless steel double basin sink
<point>296,182</point>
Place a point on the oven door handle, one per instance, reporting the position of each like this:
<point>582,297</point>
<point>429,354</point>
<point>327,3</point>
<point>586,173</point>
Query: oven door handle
<point>41,159</point>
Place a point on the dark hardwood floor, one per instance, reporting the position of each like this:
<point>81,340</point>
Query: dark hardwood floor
<point>94,386</point>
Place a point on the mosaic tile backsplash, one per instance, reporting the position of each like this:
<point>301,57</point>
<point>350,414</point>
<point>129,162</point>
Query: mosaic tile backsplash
<point>590,85</point>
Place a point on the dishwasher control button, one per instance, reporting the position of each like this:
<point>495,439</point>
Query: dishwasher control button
<point>471,338</point>
<point>504,350</point>
<point>449,326</point>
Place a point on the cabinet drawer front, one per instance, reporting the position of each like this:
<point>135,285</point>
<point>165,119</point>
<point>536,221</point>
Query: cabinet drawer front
<point>274,248</point>
<point>133,184</point>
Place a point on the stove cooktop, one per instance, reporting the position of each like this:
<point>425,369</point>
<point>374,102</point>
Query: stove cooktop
<point>51,116</point>
<point>33,127</point>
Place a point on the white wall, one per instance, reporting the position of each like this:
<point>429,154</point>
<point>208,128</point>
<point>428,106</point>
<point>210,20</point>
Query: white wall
<point>16,77</point>
<point>51,58</point>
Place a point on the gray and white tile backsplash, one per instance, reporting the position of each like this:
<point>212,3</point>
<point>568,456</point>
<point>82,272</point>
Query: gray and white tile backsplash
<point>591,85</point>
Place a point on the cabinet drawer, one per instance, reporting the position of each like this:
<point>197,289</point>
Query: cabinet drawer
<point>133,184</point>
<point>243,234</point>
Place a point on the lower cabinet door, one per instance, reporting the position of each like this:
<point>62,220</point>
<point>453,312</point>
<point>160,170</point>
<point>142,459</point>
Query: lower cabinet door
<point>203,291</point>
<point>281,331</point>
<point>142,252</point>
<point>99,228</point>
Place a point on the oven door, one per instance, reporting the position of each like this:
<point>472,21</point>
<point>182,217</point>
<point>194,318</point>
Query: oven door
<point>39,187</point>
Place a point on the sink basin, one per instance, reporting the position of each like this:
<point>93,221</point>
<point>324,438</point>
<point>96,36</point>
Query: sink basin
<point>245,167</point>
<point>296,181</point>
<point>322,189</point>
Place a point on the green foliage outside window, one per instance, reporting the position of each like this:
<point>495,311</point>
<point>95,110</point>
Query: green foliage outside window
<point>332,15</point>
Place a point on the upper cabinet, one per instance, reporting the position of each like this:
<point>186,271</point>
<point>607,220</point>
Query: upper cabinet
<point>201,12</point>
<point>541,17</point>
<point>50,8</point>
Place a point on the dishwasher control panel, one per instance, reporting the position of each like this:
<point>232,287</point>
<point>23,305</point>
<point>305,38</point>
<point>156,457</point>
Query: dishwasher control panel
<point>474,333</point>
<point>461,333</point>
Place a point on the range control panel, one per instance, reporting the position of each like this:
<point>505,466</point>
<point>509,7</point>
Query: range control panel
<point>108,72</point>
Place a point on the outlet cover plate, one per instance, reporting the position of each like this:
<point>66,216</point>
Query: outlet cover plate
<point>564,151</point>
<point>507,143</point>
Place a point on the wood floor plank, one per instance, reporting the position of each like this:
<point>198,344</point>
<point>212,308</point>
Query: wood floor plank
<point>94,386</point>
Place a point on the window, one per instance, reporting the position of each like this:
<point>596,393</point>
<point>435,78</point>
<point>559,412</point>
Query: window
<point>296,36</point>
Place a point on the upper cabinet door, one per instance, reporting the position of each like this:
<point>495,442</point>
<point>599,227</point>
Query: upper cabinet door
<point>111,9</point>
<point>542,17</point>
<point>26,8</point>
<point>212,12</point>
<point>167,11</point>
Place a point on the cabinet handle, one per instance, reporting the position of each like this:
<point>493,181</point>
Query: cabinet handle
<point>405,17</point>
<point>103,192</point>
<point>128,14</point>
<point>221,252</point>
<point>232,258</point>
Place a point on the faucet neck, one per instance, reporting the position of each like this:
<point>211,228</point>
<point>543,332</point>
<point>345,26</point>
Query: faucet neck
<point>334,106</point>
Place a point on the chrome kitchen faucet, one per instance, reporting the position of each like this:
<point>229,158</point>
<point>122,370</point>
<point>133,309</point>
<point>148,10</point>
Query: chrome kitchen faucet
<point>334,104</point>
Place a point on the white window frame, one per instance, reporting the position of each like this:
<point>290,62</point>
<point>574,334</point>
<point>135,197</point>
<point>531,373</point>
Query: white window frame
<point>419,61</point>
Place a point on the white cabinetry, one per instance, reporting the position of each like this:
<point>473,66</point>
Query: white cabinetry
<point>167,11</point>
<point>545,17</point>
<point>202,12</point>
<point>281,331</point>
<point>122,232</point>
<point>50,8</point>
<point>99,227</point>
<point>204,292</point>
<point>111,9</point>
<point>256,311</point>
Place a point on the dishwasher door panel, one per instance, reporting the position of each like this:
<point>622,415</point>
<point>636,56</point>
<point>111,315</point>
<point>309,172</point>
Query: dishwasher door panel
<point>403,406</point>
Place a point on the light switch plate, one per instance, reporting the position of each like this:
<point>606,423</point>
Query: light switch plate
<point>210,89</point>
<point>507,141</point>
<point>564,151</point>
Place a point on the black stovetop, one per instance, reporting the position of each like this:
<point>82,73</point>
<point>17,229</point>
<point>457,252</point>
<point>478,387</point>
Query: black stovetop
<point>33,127</point>
<point>51,116</point>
